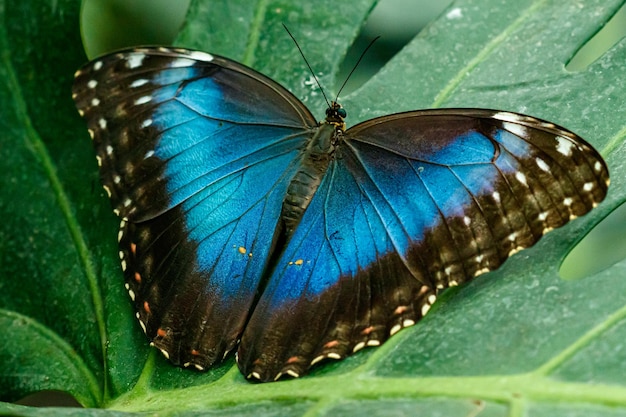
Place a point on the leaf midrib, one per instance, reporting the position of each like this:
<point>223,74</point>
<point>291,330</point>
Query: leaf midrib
<point>504,389</point>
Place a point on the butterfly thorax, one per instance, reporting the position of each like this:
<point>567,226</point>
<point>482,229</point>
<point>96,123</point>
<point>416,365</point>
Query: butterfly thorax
<point>315,160</point>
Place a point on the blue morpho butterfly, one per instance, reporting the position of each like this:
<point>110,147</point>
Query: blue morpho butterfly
<point>245,222</point>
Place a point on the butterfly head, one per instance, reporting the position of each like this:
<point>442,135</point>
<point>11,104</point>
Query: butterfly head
<point>335,115</point>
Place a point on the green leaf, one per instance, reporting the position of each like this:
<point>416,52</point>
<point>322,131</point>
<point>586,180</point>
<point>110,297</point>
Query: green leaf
<point>518,341</point>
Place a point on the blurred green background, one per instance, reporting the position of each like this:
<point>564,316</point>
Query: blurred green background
<point>112,24</point>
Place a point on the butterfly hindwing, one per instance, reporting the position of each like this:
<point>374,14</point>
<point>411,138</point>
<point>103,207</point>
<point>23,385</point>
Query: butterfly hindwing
<point>413,203</point>
<point>196,153</point>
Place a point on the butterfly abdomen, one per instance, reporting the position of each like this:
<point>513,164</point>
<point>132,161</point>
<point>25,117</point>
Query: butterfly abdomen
<point>304,184</point>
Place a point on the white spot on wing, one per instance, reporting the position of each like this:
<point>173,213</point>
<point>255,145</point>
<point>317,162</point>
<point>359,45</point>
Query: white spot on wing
<point>182,62</point>
<point>506,116</point>
<point>516,129</point>
<point>319,358</point>
<point>97,66</point>
<point>521,178</point>
<point>356,348</point>
<point>143,100</point>
<point>564,146</point>
<point>135,60</point>
<point>146,123</point>
<point>542,165</point>
<point>138,83</point>
<point>481,271</point>
<point>201,56</point>
<point>395,329</point>
<point>597,166</point>
<point>165,353</point>
<point>92,83</point>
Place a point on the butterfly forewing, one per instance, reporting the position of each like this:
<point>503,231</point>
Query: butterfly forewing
<point>196,153</point>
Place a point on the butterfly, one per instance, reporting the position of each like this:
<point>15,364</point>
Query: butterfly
<point>247,224</point>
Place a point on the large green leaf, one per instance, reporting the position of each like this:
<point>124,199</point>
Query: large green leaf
<point>518,341</point>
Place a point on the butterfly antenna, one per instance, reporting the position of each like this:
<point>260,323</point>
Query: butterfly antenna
<point>356,65</point>
<point>308,65</point>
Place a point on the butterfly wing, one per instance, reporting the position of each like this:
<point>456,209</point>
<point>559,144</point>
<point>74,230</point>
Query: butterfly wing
<point>413,203</point>
<point>196,153</point>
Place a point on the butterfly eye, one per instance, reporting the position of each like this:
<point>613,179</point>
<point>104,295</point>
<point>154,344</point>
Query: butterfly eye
<point>336,112</point>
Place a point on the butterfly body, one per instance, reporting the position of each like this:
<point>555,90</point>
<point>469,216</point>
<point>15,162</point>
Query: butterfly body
<point>313,166</point>
<point>247,224</point>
